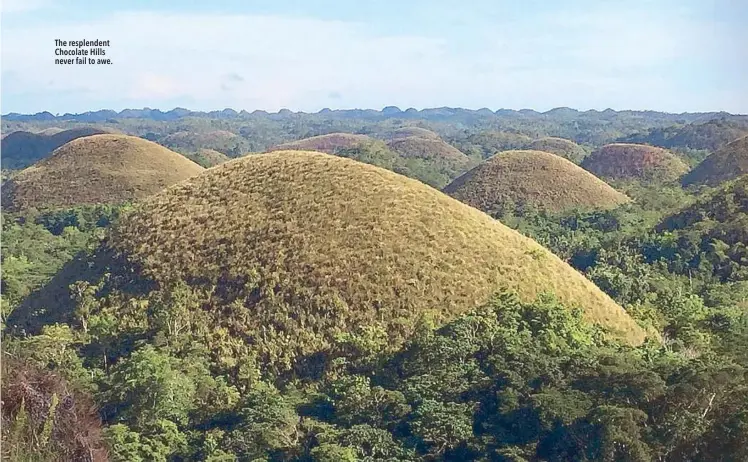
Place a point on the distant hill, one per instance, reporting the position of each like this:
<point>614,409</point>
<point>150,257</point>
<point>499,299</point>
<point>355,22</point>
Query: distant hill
<point>330,143</point>
<point>284,251</point>
<point>710,135</point>
<point>97,169</point>
<point>222,141</point>
<point>487,143</point>
<point>622,161</point>
<point>408,132</point>
<point>443,159</point>
<point>21,149</point>
<point>559,146</point>
<point>540,179</point>
<point>727,163</point>
<point>207,157</point>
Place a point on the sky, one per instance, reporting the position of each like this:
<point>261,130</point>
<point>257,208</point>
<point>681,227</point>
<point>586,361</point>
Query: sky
<point>306,55</point>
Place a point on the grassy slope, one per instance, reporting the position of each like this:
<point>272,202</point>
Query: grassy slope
<point>330,143</point>
<point>622,161</point>
<point>208,157</point>
<point>222,141</point>
<point>544,180</point>
<point>408,132</point>
<point>332,244</point>
<point>726,164</point>
<point>97,169</point>
<point>559,146</point>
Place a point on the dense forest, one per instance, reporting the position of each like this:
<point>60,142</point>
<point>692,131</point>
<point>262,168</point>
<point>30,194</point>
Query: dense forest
<point>108,354</point>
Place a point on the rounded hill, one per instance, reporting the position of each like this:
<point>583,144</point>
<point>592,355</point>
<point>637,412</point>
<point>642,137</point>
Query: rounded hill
<point>21,149</point>
<point>407,132</point>
<point>331,143</point>
<point>725,164</point>
<point>622,161</point>
<point>222,141</point>
<point>559,146</point>
<point>97,169</point>
<point>287,250</point>
<point>208,157</point>
<point>536,178</point>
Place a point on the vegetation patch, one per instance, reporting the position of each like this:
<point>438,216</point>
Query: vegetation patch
<point>223,141</point>
<point>514,180</point>
<point>208,157</point>
<point>99,169</point>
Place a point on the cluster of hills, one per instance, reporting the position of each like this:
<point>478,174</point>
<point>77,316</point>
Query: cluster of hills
<point>276,274</point>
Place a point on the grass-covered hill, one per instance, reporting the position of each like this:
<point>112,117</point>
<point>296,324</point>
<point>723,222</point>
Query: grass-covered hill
<point>485,144</point>
<point>559,146</point>
<point>517,179</point>
<point>286,251</point>
<point>440,155</point>
<point>623,161</point>
<point>98,169</point>
<point>331,143</point>
<point>208,157</point>
<point>21,148</point>
<point>223,141</point>
<point>408,132</point>
<point>727,163</point>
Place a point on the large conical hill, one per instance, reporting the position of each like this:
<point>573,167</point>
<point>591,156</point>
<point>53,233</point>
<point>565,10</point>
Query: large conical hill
<point>330,143</point>
<point>726,164</point>
<point>21,149</point>
<point>543,180</point>
<point>623,161</point>
<point>286,250</point>
<point>98,169</point>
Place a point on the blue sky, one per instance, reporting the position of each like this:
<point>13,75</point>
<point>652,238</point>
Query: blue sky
<point>687,55</point>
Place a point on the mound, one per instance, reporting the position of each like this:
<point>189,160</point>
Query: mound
<point>97,169</point>
<point>488,143</point>
<point>559,146</point>
<point>285,251</point>
<point>331,143</point>
<point>408,132</point>
<point>535,178</point>
<point>622,161</point>
<point>726,164</point>
<point>222,141</point>
<point>21,149</point>
<point>208,157</point>
<point>437,155</point>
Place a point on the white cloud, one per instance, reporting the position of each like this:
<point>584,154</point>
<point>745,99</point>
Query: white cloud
<point>578,60</point>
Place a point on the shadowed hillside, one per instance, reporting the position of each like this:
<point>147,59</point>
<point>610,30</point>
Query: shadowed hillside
<point>97,169</point>
<point>207,157</point>
<point>726,164</point>
<point>539,179</point>
<point>622,161</point>
<point>21,149</point>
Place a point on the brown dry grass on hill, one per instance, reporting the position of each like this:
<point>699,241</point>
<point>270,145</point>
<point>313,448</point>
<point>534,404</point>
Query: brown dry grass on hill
<point>97,169</point>
<point>726,164</point>
<point>428,149</point>
<point>218,140</point>
<point>537,178</point>
<point>559,146</point>
<point>311,245</point>
<point>622,161</point>
<point>331,143</point>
